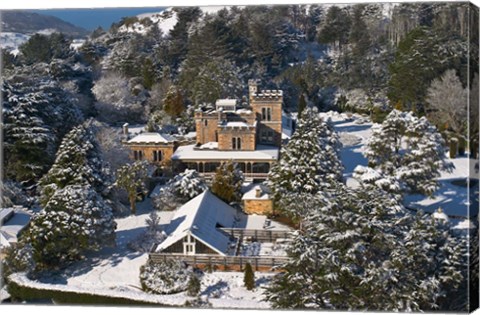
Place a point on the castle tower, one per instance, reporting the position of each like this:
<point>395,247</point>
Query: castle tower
<point>267,106</point>
<point>252,89</point>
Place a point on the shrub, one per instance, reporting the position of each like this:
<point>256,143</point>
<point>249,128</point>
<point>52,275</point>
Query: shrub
<point>453,147</point>
<point>166,277</point>
<point>249,278</point>
<point>461,146</point>
<point>193,286</point>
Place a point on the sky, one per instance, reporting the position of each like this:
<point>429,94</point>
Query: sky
<point>90,19</point>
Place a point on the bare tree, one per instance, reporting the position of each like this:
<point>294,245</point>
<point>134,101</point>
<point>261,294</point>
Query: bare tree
<point>448,102</point>
<point>115,101</point>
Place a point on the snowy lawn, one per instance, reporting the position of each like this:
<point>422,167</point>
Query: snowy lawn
<point>115,272</point>
<point>264,249</point>
<point>112,268</point>
<point>452,197</point>
<point>226,290</point>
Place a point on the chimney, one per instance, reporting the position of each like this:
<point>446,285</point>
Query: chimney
<point>125,130</point>
<point>258,192</point>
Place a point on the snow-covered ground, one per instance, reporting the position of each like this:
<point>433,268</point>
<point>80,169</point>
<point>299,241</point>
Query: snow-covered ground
<point>264,249</point>
<point>11,41</point>
<point>226,290</point>
<point>115,272</point>
<point>453,196</point>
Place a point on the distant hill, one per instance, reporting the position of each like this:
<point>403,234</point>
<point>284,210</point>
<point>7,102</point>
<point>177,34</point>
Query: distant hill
<point>23,22</point>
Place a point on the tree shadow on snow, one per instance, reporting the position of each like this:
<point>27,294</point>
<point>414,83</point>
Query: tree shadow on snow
<point>352,128</point>
<point>450,197</point>
<point>111,256</point>
<point>351,158</point>
<point>216,290</point>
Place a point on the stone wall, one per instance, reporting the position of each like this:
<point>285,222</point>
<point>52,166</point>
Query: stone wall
<point>206,127</point>
<point>258,206</point>
<point>274,103</point>
<point>147,152</point>
<point>247,136</point>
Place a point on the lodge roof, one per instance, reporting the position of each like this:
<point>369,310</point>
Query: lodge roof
<point>150,138</point>
<point>200,217</point>
<point>193,153</point>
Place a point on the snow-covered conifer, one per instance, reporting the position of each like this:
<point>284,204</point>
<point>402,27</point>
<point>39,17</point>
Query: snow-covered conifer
<point>78,162</point>
<point>166,277</point>
<point>131,178</point>
<point>227,182</point>
<point>310,161</point>
<point>408,152</point>
<point>180,189</point>
<point>75,219</point>
<point>359,249</point>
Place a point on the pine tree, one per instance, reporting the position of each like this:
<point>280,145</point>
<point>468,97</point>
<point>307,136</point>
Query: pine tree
<point>78,162</point>
<point>75,219</point>
<point>310,161</point>
<point>148,73</point>
<point>173,102</point>
<point>187,185</point>
<point>360,250</point>
<point>194,285</point>
<point>409,150</point>
<point>227,182</point>
<point>249,277</point>
<point>302,103</point>
<point>336,28</point>
<point>131,178</point>
<point>179,190</point>
<point>37,112</point>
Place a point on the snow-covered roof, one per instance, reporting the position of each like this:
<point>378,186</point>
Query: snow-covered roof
<point>200,217</point>
<point>236,124</point>
<point>13,224</point>
<point>209,145</point>
<point>262,153</point>
<point>5,214</point>
<point>226,102</point>
<point>151,137</point>
<point>251,194</point>
<point>262,222</point>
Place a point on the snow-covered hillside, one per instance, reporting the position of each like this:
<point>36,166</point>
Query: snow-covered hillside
<point>165,20</point>
<point>453,196</point>
<point>11,41</point>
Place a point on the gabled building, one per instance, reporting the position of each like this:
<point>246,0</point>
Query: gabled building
<point>248,134</point>
<point>206,225</point>
<point>195,227</point>
<point>154,147</point>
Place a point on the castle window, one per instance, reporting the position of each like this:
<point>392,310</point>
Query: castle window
<point>206,122</point>
<point>137,155</point>
<point>236,143</point>
<point>157,156</point>
<point>266,114</point>
<point>270,136</point>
